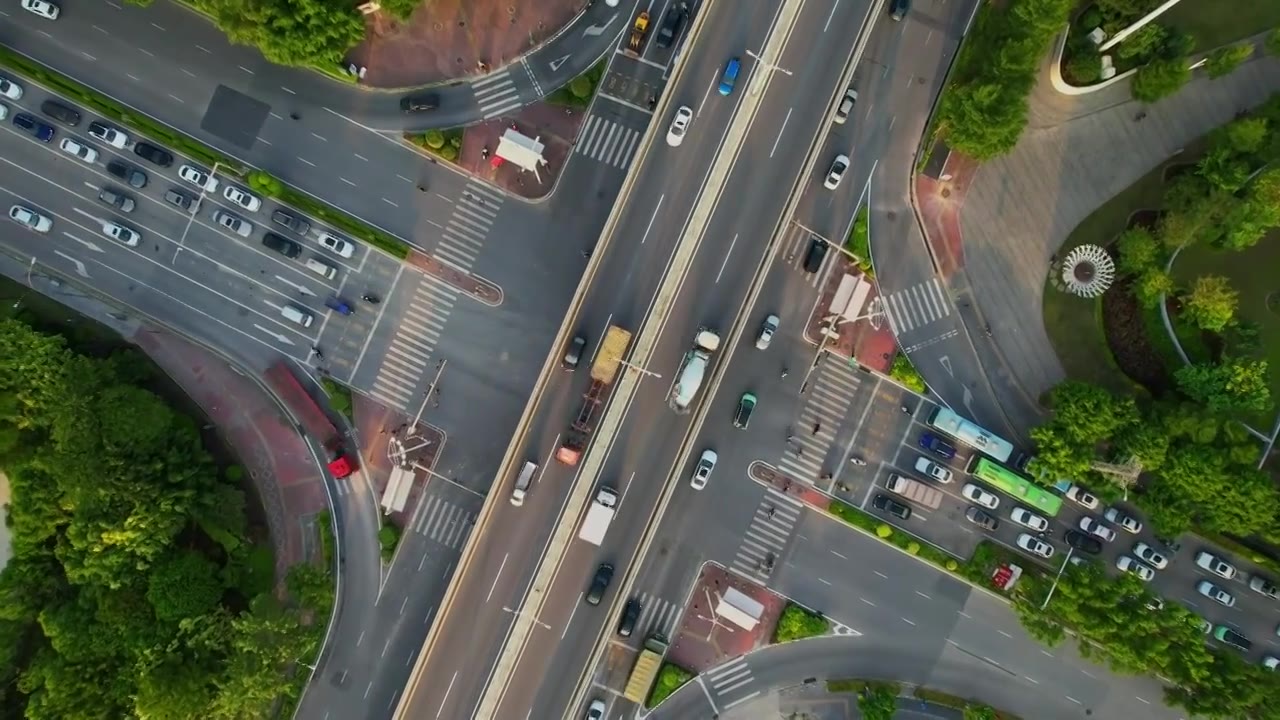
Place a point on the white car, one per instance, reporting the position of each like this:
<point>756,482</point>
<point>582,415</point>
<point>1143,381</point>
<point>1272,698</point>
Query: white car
<point>30,219</point>
<point>1259,584</point>
<point>932,469</point>
<point>702,472</point>
<point>1150,556</point>
<point>679,125</point>
<point>1126,521</point>
<point>114,137</point>
<point>335,244</point>
<point>239,226</point>
<point>1035,545</point>
<point>1028,519</point>
<point>120,233</point>
<point>4,111</point>
<point>198,177</point>
<point>79,150</point>
<point>597,708</point>
<point>978,496</point>
<point>767,329</point>
<point>10,89</point>
<point>846,106</point>
<point>242,198</point>
<point>43,8</point>
<point>1094,527</point>
<point>1216,565</point>
<point>1215,593</point>
<point>1082,497</point>
<point>1270,662</point>
<point>836,173</point>
<point>1124,563</point>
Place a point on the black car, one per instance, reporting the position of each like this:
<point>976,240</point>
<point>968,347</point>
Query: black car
<point>981,519</point>
<point>630,616</point>
<point>289,221</point>
<point>128,173</point>
<point>419,103</point>
<point>887,504</point>
<point>157,155</point>
<point>1083,542</point>
<point>573,355</point>
<point>39,130</point>
<point>178,198</point>
<point>61,113</point>
<point>282,245</point>
<point>600,583</point>
<point>746,406</point>
<point>116,199</point>
<point>898,8</point>
<point>672,22</point>
<point>816,254</point>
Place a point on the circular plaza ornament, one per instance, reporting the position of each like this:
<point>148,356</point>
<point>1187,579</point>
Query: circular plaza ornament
<point>1088,271</point>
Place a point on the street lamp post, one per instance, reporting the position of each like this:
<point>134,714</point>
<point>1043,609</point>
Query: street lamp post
<point>191,216</point>
<point>767,66</point>
<point>1057,577</point>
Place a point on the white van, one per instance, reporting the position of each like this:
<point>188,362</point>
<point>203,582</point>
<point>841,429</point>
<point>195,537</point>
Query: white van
<point>321,268</point>
<point>297,315</point>
<point>523,482</point>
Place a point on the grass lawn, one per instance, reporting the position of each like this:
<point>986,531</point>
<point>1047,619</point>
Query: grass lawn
<point>1216,22</point>
<point>1252,274</point>
<point>1074,324</point>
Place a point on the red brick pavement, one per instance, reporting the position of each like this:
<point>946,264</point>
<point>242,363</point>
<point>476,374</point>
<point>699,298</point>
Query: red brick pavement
<point>447,39</point>
<point>700,644</point>
<point>801,489</point>
<point>473,285</point>
<point>375,423</point>
<point>872,348</point>
<point>282,468</point>
<point>556,127</point>
<point>939,203</point>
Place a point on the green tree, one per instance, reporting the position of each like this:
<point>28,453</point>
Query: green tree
<point>1199,486</point>
<point>1224,168</point>
<point>1272,43</point>
<point>1084,66</point>
<point>1235,384</point>
<point>1152,286</point>
<point>1160,79</point>
<point>183,585</point>
<point>1226,59</point>
<point>1137,250</point>
<point>1211,303</point>
<point>797,623</point>
<point>264,642</point>
<point>292,32</point>
<point>878,701</point>
<point>1194,211</point>
<point>1088,413</point>
<point>1142,44</point>
<point>904,372</point>
<point>1146,441</point>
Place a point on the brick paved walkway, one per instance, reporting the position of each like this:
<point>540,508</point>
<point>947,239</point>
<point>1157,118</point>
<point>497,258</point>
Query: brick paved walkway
<point>289,483</point>
<point>556,127</point>
<point>375,424</point>
<point>473,285</point>
<point>447,39</point>
<point>872,348</point>
<point>699,643</point>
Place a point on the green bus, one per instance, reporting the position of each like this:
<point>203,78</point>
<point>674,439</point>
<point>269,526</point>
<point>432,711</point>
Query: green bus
<point>1011,483</point>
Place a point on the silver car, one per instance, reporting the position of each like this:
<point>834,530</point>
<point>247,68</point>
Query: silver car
<point>239,226</point>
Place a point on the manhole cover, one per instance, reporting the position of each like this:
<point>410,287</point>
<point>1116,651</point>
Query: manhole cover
<point>946,192</point>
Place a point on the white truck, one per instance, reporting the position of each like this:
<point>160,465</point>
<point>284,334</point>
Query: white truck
<point>599,515</point>
<point>914,490</point>
<point>692,369</point>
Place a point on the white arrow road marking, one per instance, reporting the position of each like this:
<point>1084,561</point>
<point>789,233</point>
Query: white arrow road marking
<point>282,338</point>
<point>946,364</point>
<point>89,215</point>
<point>598,29</point>
<point>91,245</point>
<point>555,64</point>
<point>79,265</point>
<point>300,288</point>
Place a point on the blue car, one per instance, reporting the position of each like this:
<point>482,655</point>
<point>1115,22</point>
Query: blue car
<point>41,131</point>
<point>730,75</point>
<point>937,445</point>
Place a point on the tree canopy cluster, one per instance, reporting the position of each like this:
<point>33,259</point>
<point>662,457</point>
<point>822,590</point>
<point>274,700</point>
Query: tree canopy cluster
<point>1198,468</point>
<point>130,592</point>
<point>1117,623</point>
<point>984,108</point>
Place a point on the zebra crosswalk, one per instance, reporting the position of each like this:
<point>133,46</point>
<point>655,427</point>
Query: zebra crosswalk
<point>831,389</point>
<point>413,343</point>
<point>497,94</point>
<point>442,521</point>
<point>607,141</point>
<point>771,525</point>
<point>917,306</point>
<point>657,616</point>
<point>730,676</point>
<point>468,225</point>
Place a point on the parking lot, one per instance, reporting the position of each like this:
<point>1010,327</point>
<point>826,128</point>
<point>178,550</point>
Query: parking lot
<point>1254,614</point>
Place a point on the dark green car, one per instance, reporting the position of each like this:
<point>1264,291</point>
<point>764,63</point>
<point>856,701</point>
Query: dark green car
<point>745,406</point>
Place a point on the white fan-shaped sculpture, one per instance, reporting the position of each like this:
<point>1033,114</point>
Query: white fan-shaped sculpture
<point>1088,271</point>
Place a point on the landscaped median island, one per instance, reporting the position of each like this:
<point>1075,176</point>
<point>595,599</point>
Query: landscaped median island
<point>798,622</point>
<point>152,128</point>
<point>878,700</point>
<point>670,678</point>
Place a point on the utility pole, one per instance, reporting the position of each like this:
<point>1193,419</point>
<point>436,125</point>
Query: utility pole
<point>769,69</point>
<point>195,210</point>
<point>1049,597</point>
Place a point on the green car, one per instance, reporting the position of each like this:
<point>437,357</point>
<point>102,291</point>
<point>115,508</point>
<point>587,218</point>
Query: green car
<point>745,406</point>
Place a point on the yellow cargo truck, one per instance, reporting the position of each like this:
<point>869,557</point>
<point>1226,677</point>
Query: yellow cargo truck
<point>645,670</point>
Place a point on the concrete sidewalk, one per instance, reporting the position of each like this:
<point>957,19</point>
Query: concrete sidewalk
<point>289,482</point>
<point>1076,154</point>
